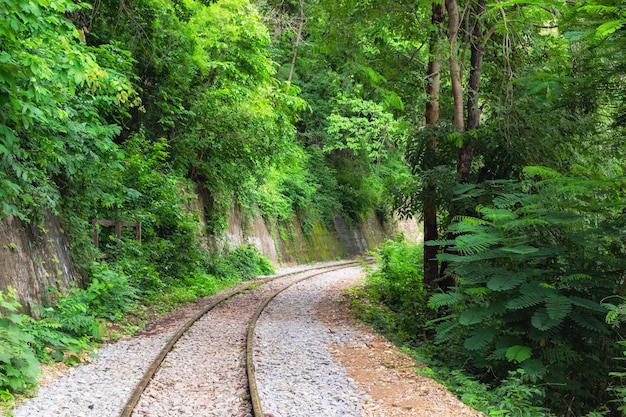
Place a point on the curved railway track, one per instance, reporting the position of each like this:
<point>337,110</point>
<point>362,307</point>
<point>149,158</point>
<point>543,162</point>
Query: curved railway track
<point>261,300</point>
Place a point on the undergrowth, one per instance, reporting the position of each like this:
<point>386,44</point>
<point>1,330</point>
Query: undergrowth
<point>385,302</point>
<point>512,398</point>
<point>76,320</point>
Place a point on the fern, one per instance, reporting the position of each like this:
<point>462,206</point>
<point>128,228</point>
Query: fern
<point>475,243</point>
<point>480,338</point>
<point>473,315</point>
<point>588,304</point>
<point>444,299</point>
<point>542,172</point>
<point>541,320</point>
<point>558,307</point>
<point>525,301</point>
<point>559,353</point>
<point>477,291</point>
<point>524,269</point>
<point>497,214</point>
<point>445,331</point>
<point>507,200</point>
<point>599,9</point>
<point>506,282</point>
<point>588,322</point>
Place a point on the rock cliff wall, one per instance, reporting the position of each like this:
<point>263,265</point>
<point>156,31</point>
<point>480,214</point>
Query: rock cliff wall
<point>290,242</point>
<point>34,258</point>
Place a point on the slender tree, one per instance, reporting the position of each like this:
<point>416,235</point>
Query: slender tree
<point>429,195</point>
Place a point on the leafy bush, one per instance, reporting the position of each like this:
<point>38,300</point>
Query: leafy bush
<point>80,311</point>
<point>109,294</point>
<point>248,262</point>
<point>399,284</point>
<point>19,366</point>
<point>532,268</point>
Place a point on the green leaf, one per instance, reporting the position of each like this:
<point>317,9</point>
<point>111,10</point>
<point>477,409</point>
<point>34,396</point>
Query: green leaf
<point>481,338</point>
<point>505,283</point>
<point>518,353</point>
<point>520,250</point>
<point>541,320</point>
<point>444,299</point>
<point>534,368</point>
<point>525,301</point>
<point>607,28</point>
<point>473,315</point>
<point>558,307</point>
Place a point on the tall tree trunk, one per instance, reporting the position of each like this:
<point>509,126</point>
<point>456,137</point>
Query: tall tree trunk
<point>477,47</point>
<point>455,72</point>
<point>296,43</point>
<point>429,195</point>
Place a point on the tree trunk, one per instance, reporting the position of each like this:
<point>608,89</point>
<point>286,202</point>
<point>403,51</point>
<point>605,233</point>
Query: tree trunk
<point>296,44</point>
<point>455,72</point>
<point>431,265</point>
<point>466,153</point>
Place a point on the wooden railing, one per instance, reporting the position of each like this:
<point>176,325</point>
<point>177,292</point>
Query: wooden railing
<point>118,228</point>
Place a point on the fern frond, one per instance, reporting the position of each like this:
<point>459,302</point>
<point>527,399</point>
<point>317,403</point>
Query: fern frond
<point>534,368</point>
<point>524,223</point>
<point>543,172</point>
<point>477,291</point>
<point>473,315</point>
<point>498,354</point>
<point>588,304</point>
<point>507,200</point>
<point>589,322</point>
<point>541,320</point>
<point>475,221</point>
<point>506,282</point>
<point>558,353</point>
<point>558,307</point>
<point>480,338</point>
<point>463,188</point>
<point>445,299</point>
<point>599,9</point>
<point>445,331</point>
<point>525,301</point>
<point>475,243</point>
<point>575,277</point>
<point>497,214</point>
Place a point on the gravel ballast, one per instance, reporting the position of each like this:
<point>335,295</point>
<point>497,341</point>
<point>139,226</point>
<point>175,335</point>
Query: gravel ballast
<point>295,370</point>
<point>311,359</point>
<point>203,376</point>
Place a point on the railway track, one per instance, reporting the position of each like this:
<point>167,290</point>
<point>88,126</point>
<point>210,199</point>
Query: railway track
<point>167,387</point>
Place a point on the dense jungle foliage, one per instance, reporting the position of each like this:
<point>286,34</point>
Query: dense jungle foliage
<point>499,124</point>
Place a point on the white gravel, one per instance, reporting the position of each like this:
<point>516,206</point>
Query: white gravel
<point>295,371</point>
<point>204,375</point>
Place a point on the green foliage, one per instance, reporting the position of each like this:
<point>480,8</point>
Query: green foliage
<point>514,396</point>
<point>54,95</point>
<point>109,294</point>
<point>398,284</point>
<point>248,262</point>
<point>19,366</point>
<point>364,128</point>
<point>531,270</point>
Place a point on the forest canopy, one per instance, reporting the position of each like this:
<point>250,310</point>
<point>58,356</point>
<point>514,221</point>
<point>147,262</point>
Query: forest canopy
<point>498,124</point>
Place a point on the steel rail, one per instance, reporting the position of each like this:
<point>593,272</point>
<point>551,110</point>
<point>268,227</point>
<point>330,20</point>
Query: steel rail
<point>255,398</point>
<point>156,363</point>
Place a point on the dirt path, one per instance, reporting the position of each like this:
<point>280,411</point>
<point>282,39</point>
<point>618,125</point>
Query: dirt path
<point>388,375</point>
